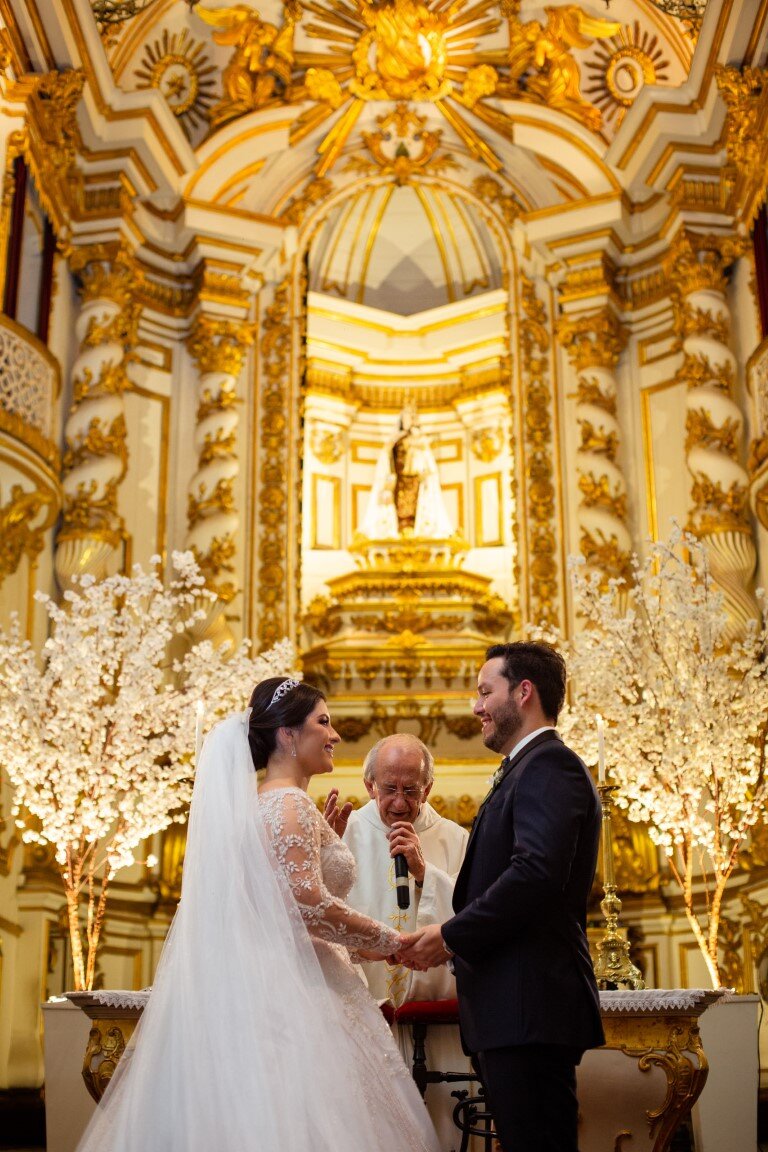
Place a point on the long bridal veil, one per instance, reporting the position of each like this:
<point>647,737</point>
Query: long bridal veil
<point>239,1047</point>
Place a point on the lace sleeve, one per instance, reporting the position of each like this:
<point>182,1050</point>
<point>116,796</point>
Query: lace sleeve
<point>293,825</point>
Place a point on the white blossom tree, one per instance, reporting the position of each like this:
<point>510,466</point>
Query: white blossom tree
<point>687,716</point>
<point>97,732</point>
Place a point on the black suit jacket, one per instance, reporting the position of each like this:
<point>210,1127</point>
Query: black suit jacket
<point>523,969</point>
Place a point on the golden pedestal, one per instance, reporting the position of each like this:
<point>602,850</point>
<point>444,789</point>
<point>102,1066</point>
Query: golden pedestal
<point>399,640</point>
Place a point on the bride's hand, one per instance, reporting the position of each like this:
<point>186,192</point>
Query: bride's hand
<point>336,817</point>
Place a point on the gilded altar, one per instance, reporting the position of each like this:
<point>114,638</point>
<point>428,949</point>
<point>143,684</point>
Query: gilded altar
<point>633,1093</point>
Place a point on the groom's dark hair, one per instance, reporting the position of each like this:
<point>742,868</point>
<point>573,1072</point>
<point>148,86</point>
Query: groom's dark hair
<point>541,664</point>
<point>268,714</point>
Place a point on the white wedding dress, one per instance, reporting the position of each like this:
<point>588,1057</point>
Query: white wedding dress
<point>258,1035</point>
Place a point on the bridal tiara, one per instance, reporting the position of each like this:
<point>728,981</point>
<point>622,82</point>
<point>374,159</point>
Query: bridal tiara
<point>283,690</point>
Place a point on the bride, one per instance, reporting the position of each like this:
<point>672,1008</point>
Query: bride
<point>258,1035</point>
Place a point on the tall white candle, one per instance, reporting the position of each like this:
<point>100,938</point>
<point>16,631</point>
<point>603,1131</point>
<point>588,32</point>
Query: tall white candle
<point>199,710</point>
<point>600,748</point>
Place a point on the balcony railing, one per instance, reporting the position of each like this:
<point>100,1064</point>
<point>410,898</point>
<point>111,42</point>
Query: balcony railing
<point>30,382</point>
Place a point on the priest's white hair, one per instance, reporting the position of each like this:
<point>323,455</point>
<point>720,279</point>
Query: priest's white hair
<point>403,738</point>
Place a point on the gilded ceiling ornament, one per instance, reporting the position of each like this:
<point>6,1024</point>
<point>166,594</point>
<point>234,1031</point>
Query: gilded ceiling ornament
<point>494,193</point>
<point>487,443</point>
<point>481,81</point>
<point>399,50</point>
<point>402,148</point>
<point>322,85</point>
<point>179,68</point>
<point>50,142</point>
<point>314,193</point>
<point>541,63</point>
<point>6,59</point>
<point>621,67</point>
<point>17,536</point>
<point>403,54</point>
<point>261,66</point>
<point>745,93</point>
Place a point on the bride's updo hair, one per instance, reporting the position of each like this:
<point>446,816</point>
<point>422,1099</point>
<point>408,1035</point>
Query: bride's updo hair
<point>279,702</point>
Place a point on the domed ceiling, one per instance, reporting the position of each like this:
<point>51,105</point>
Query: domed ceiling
<point>404,249</point>
<point>407,92</point>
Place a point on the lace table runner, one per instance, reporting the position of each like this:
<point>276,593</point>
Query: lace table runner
<point>656,999</point>
<point>651,1000</point>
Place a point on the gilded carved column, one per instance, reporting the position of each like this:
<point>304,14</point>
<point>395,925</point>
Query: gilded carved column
<point>714,421</point>
<point>218,347</point>
<point>594,343</point>
<point>95,450</point>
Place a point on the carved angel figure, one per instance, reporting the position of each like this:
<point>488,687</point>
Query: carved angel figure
<point>541,62</point>
<point>262,62</point>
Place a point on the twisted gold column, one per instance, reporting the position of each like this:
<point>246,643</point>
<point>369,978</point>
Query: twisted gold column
<point>714,421</point>
<point>594,343</point>
<point>96,454</point>
<point>218,347</point>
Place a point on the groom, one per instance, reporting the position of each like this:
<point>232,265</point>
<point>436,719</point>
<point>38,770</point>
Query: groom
<point>528,1001</point>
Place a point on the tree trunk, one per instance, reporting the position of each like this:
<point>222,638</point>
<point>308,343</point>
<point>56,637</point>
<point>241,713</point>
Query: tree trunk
<point>75,939</point>
<point>711,961</point>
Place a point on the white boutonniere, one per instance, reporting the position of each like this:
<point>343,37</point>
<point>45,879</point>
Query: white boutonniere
<point>495,780</point>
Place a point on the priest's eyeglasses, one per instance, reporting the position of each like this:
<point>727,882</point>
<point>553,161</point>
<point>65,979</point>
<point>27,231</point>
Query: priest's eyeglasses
<point>393,790</point>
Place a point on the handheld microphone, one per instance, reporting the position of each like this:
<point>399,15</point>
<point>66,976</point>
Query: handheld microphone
<point>401,881</point>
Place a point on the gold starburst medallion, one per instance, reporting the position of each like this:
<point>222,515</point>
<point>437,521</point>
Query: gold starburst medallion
<point>179,68</point>
<point>620,69</point>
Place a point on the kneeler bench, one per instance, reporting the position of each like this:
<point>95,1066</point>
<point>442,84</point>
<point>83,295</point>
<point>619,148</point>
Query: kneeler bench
<point>470,1115</point>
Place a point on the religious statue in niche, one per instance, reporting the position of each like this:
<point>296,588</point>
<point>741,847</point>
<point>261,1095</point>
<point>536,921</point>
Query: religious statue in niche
<point>406,498</point>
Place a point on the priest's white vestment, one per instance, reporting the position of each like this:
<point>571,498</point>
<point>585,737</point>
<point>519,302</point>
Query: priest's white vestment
<point>443,843</point>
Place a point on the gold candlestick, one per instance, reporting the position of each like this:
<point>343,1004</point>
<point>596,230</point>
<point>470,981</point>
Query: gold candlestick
<point>613,968</point>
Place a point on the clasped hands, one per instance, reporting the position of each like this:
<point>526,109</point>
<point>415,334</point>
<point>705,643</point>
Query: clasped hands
<point>422,949</point>
<point>418,950</point>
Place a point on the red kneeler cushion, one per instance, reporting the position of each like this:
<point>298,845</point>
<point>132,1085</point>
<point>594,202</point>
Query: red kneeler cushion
<point>428,1012</point>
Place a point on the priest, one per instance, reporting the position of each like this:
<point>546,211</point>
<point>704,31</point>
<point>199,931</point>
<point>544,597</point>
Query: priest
<point>398,774</point>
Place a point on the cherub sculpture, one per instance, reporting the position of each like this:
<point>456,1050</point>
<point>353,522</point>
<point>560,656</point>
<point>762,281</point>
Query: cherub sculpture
<point>541,63</point>
<point>261,66</point>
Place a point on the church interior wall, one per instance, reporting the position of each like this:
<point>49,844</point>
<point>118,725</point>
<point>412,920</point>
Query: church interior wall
<point>226,226</point>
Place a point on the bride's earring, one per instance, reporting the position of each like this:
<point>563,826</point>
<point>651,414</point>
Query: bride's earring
<point>293,747</point>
